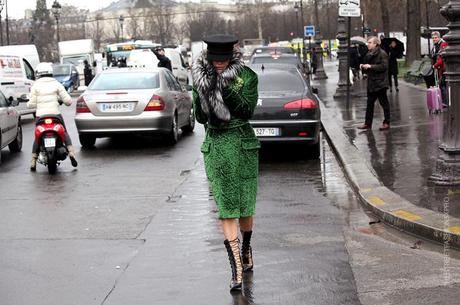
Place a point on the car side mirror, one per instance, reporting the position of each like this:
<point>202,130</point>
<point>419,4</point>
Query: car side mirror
<point>23,98</point>
<point>188,87</point>
<point>314,90</point>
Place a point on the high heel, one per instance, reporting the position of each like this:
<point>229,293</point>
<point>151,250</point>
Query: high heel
<point>246,251</point>
<point>233,251</point>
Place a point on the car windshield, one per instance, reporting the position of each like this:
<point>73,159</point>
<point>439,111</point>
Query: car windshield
<point>61,70</point>
<point>123,81</point>
<point>74,60</point>
<point>275,59</point>
<point>280,81</point>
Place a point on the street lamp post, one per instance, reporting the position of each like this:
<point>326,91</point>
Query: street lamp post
<point>296,9</point>
<point>121,19</point>
<point>56,10</point>
<point>342,54</point>
<point>1,28</point>
<point>7,23</point>
<point>447,170</point>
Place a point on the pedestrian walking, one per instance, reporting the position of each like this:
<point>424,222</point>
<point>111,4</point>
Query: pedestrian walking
<point>224,98</point>
<point>164,61</point>
<point>88,72</point>
<point>376,67</point>
<point>393,54</point>
<point>438,63</point>
<point>355,61</point>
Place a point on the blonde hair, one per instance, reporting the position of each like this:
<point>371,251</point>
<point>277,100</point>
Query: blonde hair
<point>374,39</point>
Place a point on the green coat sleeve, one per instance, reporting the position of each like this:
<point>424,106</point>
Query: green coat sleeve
<point>241,97</point>
<point>199,114</point>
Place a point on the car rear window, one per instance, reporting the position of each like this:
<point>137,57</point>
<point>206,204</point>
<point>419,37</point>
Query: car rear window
<point>279,60</point>
<point>276,81</point>
<point>118,81</point>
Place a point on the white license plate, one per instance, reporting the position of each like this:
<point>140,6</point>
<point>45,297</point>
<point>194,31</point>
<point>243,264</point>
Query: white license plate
<point>50,142</point>
<point>267,132</point>
<point>116,107</point>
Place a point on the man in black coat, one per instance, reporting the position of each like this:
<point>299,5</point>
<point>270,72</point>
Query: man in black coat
<point>376,67</point>
<point>165,62</point>
<point>87,72</point>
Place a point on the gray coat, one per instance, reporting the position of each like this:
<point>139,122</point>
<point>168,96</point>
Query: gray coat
<point>377,74</point>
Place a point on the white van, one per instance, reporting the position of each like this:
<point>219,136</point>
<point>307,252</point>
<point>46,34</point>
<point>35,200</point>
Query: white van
<point>16,79</point>
<point>179,68</point>
<point>27,51</point>
<point>142,58</point>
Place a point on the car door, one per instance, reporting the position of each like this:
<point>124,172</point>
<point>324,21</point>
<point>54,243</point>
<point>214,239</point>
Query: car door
<point>175,93</point>
<point>7,121</point>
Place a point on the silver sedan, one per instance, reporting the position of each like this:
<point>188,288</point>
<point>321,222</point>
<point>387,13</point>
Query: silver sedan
<point>133,100</point>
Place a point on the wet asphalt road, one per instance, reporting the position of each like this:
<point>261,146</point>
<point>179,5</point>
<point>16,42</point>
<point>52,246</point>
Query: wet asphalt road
<point>136,224</point>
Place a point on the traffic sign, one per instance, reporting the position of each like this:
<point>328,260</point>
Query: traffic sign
<point>309,30</point>
<point>349,8</point>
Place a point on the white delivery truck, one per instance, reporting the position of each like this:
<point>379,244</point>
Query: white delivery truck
<point>26,51</point>
<point>75,52</point>
<point>16,80</point>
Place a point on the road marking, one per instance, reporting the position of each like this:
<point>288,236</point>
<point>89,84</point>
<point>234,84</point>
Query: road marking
<point>455,230</point>
<point>406,215</point>
<point>376,201</point>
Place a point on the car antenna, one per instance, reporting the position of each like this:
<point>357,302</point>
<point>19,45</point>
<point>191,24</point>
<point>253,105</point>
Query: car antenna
<point>263,68</point>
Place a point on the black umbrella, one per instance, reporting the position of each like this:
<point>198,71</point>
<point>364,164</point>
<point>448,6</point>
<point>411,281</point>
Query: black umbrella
<point>398,49</point>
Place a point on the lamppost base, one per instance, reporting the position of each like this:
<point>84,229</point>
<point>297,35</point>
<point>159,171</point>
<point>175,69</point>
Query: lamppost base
<point>341,91</point>
<point>320,75</point>
<point>447,172</point>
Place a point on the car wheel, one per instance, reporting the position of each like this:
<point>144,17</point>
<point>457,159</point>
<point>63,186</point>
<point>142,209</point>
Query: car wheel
<point>173,134</point>
<point>16,145</point>
<point>87,141</point>
<point>314,150</point>
<point>191,125</point>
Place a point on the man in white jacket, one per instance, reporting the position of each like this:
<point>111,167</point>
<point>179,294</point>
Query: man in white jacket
<point>45,95</point>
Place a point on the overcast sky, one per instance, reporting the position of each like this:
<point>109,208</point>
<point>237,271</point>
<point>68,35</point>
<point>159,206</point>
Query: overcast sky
<point>16,7</point>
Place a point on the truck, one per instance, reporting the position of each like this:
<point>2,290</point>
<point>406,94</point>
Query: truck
<point>75,52</point>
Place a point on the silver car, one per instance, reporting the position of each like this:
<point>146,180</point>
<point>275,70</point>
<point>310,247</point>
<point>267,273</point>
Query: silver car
<point>10,125</point>
<point>133,100</point>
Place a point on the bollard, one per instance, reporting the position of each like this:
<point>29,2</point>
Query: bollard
<point>342,54</point>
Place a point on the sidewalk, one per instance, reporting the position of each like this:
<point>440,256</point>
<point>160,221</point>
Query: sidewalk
<point>392,180</point>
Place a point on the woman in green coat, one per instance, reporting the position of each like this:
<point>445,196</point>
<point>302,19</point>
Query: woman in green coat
<point>224,98</point>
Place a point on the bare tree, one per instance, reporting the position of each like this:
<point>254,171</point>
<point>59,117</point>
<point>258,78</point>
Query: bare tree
<point>96,31</point>
<point>42,34</point>
<point>413,31</point>
<point>160,22</point>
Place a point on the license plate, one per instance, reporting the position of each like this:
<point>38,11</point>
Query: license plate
<point>116,107</point>
<point>50,142</point>
<point>267,132</point>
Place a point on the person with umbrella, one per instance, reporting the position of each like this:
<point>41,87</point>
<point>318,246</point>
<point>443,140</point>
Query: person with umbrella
<point>395,49</point>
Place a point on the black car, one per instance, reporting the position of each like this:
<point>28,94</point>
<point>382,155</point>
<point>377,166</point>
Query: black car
<point>273,50</point>
<point>283,59</point>
<point>287,110</point>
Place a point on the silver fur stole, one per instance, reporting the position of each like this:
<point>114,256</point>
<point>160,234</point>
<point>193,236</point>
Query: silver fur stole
<point>210,84</point>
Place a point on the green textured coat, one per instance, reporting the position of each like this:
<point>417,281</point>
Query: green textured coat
<point>230,148</point>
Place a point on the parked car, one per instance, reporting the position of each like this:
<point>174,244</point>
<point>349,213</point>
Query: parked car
<point>16,79</point>
<point>133,100</point>
<point>10,125</point>
<point>287,110</point>
<point>67,75</point>
<point>273,50</point>
<point>283,59</point>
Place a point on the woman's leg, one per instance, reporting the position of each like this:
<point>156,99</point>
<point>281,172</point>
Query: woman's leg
<point>246,224</point>
<point>232,244</point>
<point>68,144</point>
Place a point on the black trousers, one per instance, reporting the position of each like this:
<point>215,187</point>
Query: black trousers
<point>381,95</point>
<point>395,77</point>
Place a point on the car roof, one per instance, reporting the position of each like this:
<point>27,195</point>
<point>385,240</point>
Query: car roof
<point>132,69</point>
<point>271,55</point>
<point>274,68</point>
